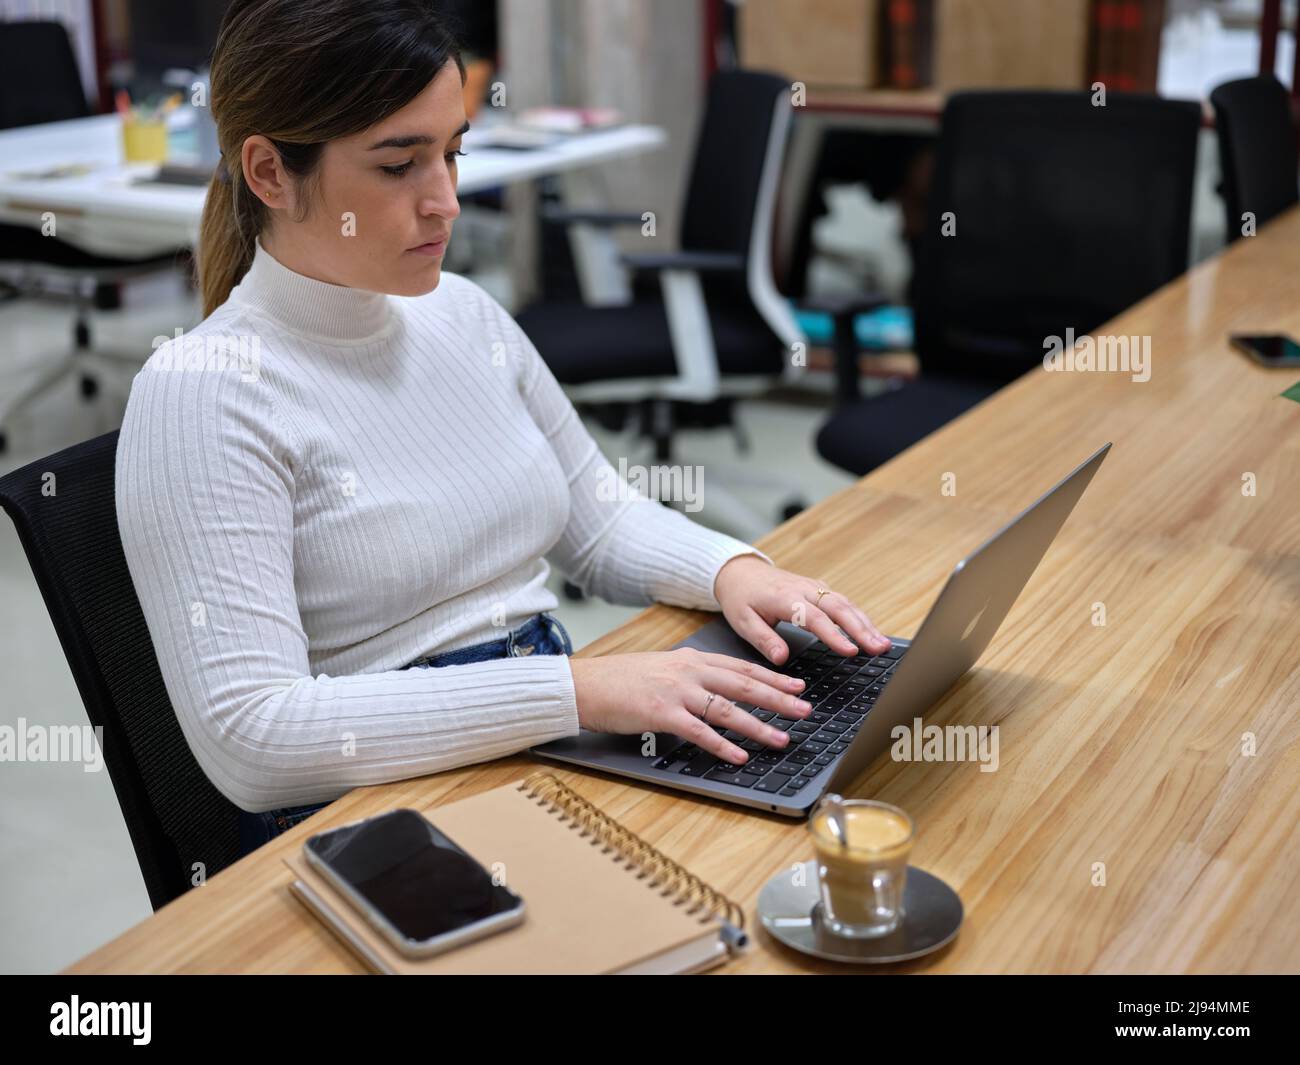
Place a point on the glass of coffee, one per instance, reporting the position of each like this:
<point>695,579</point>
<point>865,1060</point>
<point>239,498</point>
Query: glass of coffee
<point>862,868</point>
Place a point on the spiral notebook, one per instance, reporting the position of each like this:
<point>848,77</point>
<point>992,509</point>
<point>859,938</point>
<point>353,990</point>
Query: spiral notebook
<point>597,898</point>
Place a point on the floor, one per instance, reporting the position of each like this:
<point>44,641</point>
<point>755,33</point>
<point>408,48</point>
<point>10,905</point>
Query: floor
<point>68,876</point>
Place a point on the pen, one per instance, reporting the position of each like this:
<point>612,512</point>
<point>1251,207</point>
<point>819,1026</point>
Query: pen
<point>733,938</point>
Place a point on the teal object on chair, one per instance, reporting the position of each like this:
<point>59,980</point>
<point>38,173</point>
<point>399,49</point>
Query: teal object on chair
<point>884,329</point>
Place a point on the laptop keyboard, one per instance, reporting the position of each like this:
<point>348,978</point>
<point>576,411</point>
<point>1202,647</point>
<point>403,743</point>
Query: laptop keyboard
<point>842,691</point>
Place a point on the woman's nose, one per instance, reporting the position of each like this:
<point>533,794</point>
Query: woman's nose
<point>441,200</point>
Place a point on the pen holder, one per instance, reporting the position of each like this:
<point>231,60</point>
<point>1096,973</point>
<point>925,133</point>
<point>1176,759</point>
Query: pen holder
<point>144,142</point>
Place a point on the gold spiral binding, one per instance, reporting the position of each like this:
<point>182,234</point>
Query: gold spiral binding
<point>662,873</point>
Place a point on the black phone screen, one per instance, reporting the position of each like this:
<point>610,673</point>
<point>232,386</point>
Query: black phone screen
<point>1272,350</point>
<point>412,873</point>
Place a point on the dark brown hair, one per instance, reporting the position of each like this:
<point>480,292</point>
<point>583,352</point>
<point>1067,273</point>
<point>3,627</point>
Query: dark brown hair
<point>300,73</point>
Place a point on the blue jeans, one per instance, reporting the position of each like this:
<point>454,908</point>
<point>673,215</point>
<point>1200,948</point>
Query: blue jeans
<point>541,634</point>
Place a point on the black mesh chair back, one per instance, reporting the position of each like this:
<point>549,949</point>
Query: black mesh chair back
<point>39,79</point>
<point>1047,213</point>
<point>727,169</point>
<point>1257,149</point>
<point>63,506</point>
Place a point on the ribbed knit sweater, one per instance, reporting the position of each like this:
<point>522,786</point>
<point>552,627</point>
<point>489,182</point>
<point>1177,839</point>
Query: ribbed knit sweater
<point>319,484</point>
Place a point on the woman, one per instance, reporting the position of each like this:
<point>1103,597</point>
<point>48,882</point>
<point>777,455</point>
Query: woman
<point>355,469</point>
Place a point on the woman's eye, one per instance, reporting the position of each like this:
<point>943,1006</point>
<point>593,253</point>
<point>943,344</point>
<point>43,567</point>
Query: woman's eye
<point>402,168</point>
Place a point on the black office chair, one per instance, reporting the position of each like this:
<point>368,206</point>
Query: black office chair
<point>717,329</point>
<point>1257,149</point>
<point>1064,215</point>
<point>63,507</point>
<point>40,82</point>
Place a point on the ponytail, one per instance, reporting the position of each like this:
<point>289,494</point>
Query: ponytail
<point>226,246</point>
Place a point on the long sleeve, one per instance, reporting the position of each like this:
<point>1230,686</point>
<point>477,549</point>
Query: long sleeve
<point>206,469</point>
<point>619,544</point>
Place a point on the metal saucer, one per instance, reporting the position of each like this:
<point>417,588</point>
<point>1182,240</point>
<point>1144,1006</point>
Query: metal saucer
<point>791,913</point>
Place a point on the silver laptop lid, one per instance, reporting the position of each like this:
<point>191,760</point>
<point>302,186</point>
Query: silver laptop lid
<point>973,604</point>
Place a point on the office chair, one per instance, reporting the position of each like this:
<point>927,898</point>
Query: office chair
<point>40,82</point>
<point>1061,215</point>
<point>64,510</point>
<point>717,330</point>
<point>1257,149</point>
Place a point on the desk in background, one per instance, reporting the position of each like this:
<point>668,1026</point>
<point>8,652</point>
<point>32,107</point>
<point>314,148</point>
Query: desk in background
<point>105,212</point>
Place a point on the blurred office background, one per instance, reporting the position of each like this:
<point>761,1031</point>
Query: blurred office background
<point>796,237</point>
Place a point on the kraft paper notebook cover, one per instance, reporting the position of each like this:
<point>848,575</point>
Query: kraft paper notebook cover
<point>597,899</point>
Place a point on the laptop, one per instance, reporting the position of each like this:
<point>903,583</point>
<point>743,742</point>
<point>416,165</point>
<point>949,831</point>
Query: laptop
<point>857,701</point>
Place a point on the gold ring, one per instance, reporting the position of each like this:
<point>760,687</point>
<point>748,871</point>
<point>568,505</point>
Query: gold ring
<point>704,714</point>
<point>820,593</point>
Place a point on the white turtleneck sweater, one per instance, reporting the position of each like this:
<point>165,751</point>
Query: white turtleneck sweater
<point>374,479</point>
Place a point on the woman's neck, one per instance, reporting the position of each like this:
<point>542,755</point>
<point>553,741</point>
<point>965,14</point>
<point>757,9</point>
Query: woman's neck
<point>310,306</point>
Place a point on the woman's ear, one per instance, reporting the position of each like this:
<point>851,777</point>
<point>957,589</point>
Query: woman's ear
<point>264,172</point>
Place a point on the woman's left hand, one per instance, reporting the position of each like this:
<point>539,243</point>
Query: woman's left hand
<point>754,595</point>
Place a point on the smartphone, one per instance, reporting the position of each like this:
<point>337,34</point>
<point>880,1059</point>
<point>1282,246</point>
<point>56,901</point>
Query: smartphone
<point>1271,350</point>
<point>412,883</point>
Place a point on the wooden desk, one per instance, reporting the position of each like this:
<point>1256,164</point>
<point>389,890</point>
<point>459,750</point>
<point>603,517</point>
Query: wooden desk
<point>911,110</point>
<point>916,110</point>
<point>1120,744</point>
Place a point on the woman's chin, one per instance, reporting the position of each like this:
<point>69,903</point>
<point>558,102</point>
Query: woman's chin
<point>424,280</point>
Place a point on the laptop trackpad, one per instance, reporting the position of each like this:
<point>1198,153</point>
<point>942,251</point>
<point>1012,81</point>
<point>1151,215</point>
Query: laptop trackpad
<point>717,637</point>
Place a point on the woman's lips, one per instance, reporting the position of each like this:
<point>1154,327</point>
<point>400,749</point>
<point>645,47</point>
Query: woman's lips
<point>433,249</point>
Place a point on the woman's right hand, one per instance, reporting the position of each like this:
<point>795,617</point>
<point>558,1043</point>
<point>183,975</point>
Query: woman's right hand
<point>666,691</point>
